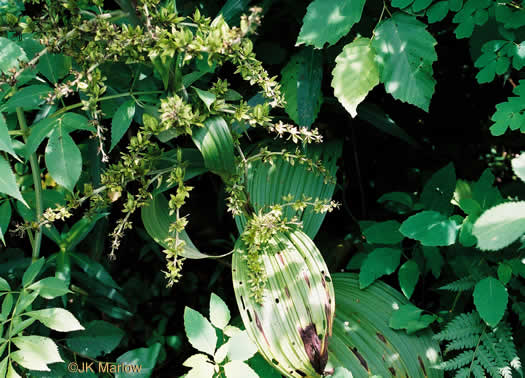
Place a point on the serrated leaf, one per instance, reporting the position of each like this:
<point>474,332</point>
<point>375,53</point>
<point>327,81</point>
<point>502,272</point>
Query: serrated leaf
<point>219,312</point>
<point>8,183</point>
<point>241,347</point>
<point>5,140</point>
<point>32,271</point>
<point>205,370</point>
<point>518,166</point>
<point>500,226</point>
<point>439,189</point>
<point>57,319</point>
<point>510,114</point>
<point>200,332</point>
<point>408,276</point>
<point>355,74</point>
<point>419,5</point>
<point>63,159</point>
<point>379,262</point>
<point>221,352</point>
<point>27,98</point>
<point>490,298</point>
<point>195,360</point>
<point>431,228</point>
<point>146,358</point>
<point>50,287</point>
<point>437,12</point>
<point>36,350</point>
<point>383,233</point>
<point>301,86</point>
<point>405,53</point>
<point>238,369</point>
<point>98,338</point>
<point>121,121</point>
<point>336,17</point>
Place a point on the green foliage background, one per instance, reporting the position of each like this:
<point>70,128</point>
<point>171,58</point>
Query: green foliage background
<point>140,140</point>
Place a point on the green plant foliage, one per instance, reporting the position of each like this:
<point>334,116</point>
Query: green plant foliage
<point>431,228</point>
<point>410,317</point>
<point>383,233</point>
<point>8,181</point>
<point>362,335</point>
<point>518,166</point>
<point>484,350</point>
<point>408,277</point>
<point>280,180</point>
<point>301,85</point>
<point>121,121</point>
<point>63,159</point>
<point>471,14</point>
<point>499,226</point>
<point>378,263</point>
<point>230,354</point>
<point>510,114</point>
<point>97,339</point>
<point>405,53</point>
<point>490,298</point>
<point>438,190</point>
<point>355,74</point>
<point>337,18</point>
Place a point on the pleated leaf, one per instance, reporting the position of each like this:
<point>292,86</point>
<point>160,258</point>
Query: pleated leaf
<point>215,142</point>
<point>355,74</point>
<point>405,53</point>
<point>157,220</point>
<point>362,340</point>
<point>301,85</point>
<point>267,184</point>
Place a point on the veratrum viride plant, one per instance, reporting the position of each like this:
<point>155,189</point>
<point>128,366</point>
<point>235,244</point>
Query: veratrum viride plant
<point>289,313</point>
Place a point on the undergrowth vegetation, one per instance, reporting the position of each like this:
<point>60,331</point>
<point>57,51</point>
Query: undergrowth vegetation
<point>242,189</point>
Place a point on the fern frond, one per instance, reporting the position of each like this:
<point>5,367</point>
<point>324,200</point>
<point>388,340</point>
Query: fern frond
<point>469,341</point>
<point>463,284</point>
<point>461,326</point>
<point>480,350</point>
<point>506,346</point>
<point>519,309</point>
<point>457,362</point>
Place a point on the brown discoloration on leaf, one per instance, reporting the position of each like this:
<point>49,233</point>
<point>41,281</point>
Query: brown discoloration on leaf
<point>422,365</point>
<point>360,357</point>
<point>280,256</point>
<point>317,354</point>
<point>382,338</point>
<point>287,292</point>
<point>328,312</point>
<point>259,326</point>
<point>305,275</point>
<point>392,371</point>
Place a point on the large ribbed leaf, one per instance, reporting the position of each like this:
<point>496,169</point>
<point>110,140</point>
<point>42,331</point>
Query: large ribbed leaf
<point>214,141</point>
<point>267,184</point>
<point>405,53</point>
<point>301,85</point>
<point>293,324</point>
<point>157,220</point>
<point>364,343</point>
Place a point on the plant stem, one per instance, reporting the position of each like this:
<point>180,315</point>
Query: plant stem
<point>35,170</point>
<point>105,98</point>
